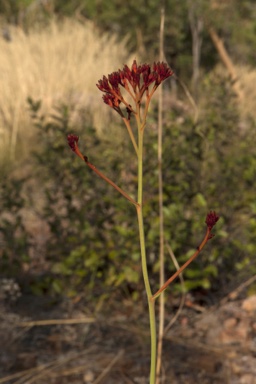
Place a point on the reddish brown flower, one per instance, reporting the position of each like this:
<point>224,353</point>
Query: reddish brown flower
<point>162,72</point>
<point>211,219</point>
<point>111,100</point>
<point>138,78</point>
<point>72,141</point>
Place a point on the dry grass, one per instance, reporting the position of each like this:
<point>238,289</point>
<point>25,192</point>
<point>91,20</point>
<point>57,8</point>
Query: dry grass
<point>247,77</point>
<point>60,63</point>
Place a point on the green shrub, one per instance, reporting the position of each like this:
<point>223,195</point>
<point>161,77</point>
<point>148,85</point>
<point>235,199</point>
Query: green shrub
<point>15,239</point>
<point>92,237</point>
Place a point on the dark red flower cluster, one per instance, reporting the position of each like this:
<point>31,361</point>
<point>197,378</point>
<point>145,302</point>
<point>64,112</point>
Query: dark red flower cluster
<point>161,72</point>
<point>138,78</point>
<point>211,219</point>
<point>72,141</point>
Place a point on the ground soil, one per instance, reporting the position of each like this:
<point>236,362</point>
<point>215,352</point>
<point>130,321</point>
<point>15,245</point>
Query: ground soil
<point>214,344</point>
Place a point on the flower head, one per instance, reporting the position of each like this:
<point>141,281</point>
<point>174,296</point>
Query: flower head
<point>136,80</point>
<point>211,219</point>
<point>72,141</point>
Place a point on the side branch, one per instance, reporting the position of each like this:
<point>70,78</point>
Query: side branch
<point>72,142</point>
<point>111,182</point>
<point>176,274</point>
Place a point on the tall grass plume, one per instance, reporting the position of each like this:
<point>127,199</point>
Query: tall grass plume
<point>60,63</point>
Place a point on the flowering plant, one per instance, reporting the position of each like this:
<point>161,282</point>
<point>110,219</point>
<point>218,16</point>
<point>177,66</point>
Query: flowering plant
<point>129,92</point>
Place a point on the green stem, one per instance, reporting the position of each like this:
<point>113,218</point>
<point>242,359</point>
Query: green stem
<point>151,303</point>
<point>129,129</point>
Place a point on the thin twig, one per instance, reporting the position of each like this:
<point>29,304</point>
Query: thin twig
<point>189,96</point>
<point>69,371</point>
<point>183,297</point>
<point>23,373</point>
<point>56,322</point>
<point>26,379</point>
<point>238,289</point>
<point>45,370</point>
<point>108,368</point>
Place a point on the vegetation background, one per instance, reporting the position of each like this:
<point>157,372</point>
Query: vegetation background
<point>62,231</point>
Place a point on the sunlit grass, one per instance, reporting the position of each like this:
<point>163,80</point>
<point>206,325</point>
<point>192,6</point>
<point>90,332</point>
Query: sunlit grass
<point>61,63</point>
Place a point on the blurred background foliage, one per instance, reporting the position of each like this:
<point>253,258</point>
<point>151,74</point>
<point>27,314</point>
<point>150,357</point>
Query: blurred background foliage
<point>62,230</point>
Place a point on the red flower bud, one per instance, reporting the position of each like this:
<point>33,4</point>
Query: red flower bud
<point>211,219</point>
<point>72,141</point>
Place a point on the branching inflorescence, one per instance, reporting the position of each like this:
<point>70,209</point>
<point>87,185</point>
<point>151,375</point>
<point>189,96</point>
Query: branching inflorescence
<point>134,83</point>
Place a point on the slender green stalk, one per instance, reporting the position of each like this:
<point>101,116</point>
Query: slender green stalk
<point>129,129</point>
<point>139,80</point>
<point>151,303</point>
